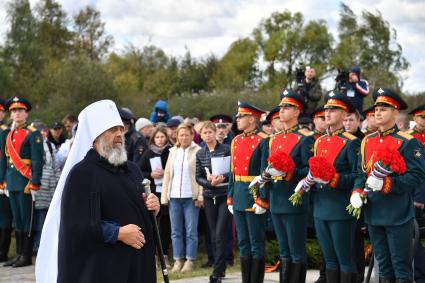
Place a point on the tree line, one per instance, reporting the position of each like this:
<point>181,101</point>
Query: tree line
<point>61,63</point>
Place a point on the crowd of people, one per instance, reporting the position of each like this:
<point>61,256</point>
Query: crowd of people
<point>216,177</point>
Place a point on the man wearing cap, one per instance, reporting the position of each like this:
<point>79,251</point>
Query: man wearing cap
<point>419,198</point>
<point>248,213</point>
<point>319,122</point>
<point>273,117</point>
<point>357,89</point>
<point>172,125</point>
<point>144,127</point>
<point>290,222</point>
<point>369,114</point>
<point>105,233</point>
<point>5,212</point>
<point>223,123</point>
<point>334,226</point>
<point>135,143</point>
<point>20,174</point>
<point>389,210</point>
<point>55,135</point>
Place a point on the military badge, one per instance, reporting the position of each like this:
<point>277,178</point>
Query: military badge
<point>417,153</point>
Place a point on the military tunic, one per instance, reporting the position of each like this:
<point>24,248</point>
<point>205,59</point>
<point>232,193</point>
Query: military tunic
<point>389,213</point>
<point>290,222</point>
<point>245,165</point>
<point>28,143</point>
<point>5,212</point>
<point>334,226</point>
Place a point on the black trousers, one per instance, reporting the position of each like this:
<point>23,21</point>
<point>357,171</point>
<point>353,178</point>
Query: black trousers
<point>218,218</point>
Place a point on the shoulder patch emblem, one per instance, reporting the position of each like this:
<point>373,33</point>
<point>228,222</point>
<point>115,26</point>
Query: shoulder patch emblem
<point>417,153</point>
<point>349,136</point>
<point>38,139</point>
<point>306,132</point>
<point>405,135</point>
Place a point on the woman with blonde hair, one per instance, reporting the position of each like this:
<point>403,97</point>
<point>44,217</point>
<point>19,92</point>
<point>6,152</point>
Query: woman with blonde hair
<point>184,197</point>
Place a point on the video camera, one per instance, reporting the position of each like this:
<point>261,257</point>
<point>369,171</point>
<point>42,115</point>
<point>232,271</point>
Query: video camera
<point>342,80</point>
<point>300,75</point>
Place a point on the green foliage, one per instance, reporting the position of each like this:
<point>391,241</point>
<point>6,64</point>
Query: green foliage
<point>371,44</point>
<point>62,69</point>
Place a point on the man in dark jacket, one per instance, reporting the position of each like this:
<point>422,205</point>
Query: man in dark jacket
<point>357,89</point>
<point>160,112</point>
<point>135,143</point>
<point>105,231</point>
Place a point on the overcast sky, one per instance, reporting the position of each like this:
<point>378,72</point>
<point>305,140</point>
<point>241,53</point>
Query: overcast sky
<point>210,26</point>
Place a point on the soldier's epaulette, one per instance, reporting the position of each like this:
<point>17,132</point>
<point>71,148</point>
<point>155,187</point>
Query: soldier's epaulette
<point>3,127</point>
<point>263,135</point>
<point>305,132</point>
<point>405,135</point>
<point>31,128</point>
<point>411,132</point>
<point>349,136</point>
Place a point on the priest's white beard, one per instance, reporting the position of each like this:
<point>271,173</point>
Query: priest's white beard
<point>115,154</point>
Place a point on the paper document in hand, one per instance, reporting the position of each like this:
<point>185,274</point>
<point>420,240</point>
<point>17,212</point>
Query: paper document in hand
<point>220,165</point>
<point>155,165</point>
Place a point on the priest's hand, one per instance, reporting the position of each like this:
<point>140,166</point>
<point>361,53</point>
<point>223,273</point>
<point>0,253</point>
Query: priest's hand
<point>131,235</point>
<point>152,203</point>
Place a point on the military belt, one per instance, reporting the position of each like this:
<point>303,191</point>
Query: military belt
<point>245,179</point>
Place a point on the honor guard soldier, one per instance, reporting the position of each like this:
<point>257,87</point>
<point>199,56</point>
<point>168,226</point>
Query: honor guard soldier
<point>389,210</point>
<point>319,122</point>
<point>290,222</point>
<point>274,119</point>
<point>5,212</point>
<point>334,225</point>
<point>249,215</point>
<point>419,198</point>
<point>369,115</point>
<point>21,172</point>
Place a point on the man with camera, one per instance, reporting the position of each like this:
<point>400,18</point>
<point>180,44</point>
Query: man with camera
<point>309,88</point>
<point>357,89</point>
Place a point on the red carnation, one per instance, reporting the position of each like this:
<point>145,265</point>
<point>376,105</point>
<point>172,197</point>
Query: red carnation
<point>281,161</point>
<point>391,159</point>
<point>321,168</point>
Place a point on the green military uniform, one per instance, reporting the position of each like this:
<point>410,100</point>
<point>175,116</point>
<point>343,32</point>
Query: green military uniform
<point>335,227</point>
<point>250,227</point>
<point>5,212</point>
<point>290,222</point>
<point>389,212</point>
<point>24,150</point>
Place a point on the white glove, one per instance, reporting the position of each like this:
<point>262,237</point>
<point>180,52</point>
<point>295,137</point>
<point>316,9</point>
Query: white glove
<point>302,185</point>
<point>257,181</point>
<point>230,208</point>
<point>6,192</point>
<point>2,192</point>
<point>356,200</point>
<point>259,209</point>
<point>374,183</point>
<point>318,180</point>
<point>274,172</point>
<point>33,194</point>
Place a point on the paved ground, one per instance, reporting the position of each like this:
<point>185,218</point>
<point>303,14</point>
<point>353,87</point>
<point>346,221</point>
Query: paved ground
<point>26,275</point>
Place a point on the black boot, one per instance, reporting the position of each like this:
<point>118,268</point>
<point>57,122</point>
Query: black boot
<point>347,277</point>
<point>246,269</point>
<point>18,237</point>
<point>386,280</point>
<point>298,272</point>
<point>322,277</point>
<point>26,257</point>
<point>257,270</point>
<point>214,279</point>
<point>332,275</point>
<point>5,235</point>
<point>284,271</point>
